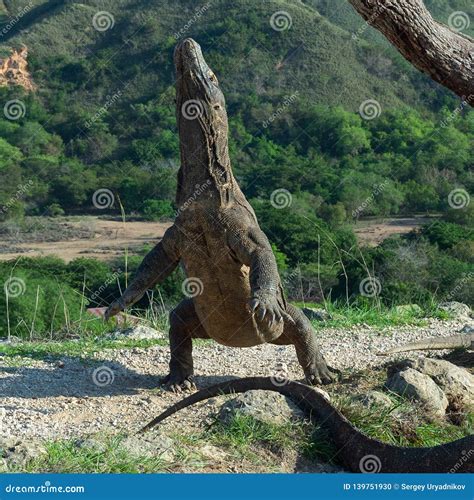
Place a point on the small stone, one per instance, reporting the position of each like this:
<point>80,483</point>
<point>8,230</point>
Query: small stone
<point>19,452</point>
<point>316,314</point>
<point>139,332</point>
<point>375,398</point>
<point>414,385</point>
<point>467,329</point>
<point>414,309</point>
<point>92,444</point>
<point>213,453</point>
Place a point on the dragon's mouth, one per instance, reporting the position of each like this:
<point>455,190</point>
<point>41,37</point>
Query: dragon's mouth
<point>195,80</point>
<point>189,59</point>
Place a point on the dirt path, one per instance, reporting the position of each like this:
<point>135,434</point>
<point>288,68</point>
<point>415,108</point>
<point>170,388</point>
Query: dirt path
<point>116,390</point>
<point>105,240</point>
<point>372,232</point>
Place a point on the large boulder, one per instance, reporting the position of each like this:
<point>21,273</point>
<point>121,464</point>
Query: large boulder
<point>458,310</point>
<point>415,385</point>
<point>454,380</point>
<point>264,406</point>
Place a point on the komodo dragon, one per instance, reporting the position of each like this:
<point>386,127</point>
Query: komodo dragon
<point>463,340</point>
<point>358,452</point>
<point>216,236</point>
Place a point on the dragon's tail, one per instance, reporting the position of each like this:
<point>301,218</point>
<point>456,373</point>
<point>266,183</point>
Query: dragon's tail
<point>359,452</point>
<point>453,342</point>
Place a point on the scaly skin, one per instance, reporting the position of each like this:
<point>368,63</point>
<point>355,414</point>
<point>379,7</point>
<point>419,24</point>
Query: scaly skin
<point>358,452</point>
<point>463,340</point>
<point>217,239</point>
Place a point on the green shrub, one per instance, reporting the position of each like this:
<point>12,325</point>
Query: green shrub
<point>35,306</point>
<point>154,210</point>
<point>446,234</point>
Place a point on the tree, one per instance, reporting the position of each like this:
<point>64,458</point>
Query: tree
<point>430,46</point>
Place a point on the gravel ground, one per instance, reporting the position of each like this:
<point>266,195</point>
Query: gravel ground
<point>116,390</point>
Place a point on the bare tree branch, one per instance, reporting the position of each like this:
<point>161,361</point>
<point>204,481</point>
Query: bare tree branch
<point>446,56</point>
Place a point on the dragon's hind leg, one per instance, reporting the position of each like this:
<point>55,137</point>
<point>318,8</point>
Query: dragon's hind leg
<point>184,326</point>
<point>301,334</point>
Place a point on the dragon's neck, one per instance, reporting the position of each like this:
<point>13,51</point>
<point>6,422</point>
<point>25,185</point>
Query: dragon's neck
<point>205,175</point>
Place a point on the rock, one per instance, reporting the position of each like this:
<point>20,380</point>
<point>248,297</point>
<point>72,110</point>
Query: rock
<point>267,407</point>
<point>453,379</point>
<point>11,340</point>
<point>413,309</point>
<point>316,314</point>
<point>19,452</point>
<point>375,398</point>
<point>467,329</point>
<point>415,385</point>
<point>139,332</point>
<point>213,453</point>
<point>457,309</point>
<point>150,445</point>
<point>91,444</point>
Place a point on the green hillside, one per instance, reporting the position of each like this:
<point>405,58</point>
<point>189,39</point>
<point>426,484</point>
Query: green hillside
<point>319,57</point>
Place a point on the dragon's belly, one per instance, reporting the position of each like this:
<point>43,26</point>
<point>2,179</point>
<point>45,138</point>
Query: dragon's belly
<point>221,296</point>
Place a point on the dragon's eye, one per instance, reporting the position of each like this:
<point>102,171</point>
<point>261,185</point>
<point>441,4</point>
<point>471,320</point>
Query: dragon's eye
<point>213,77</point>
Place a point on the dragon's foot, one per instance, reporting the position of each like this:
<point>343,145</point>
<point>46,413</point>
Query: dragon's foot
<point>320,373</point>
<point>178,384</point>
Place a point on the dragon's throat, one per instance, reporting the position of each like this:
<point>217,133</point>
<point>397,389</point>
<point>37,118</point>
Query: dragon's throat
<point>210,183</point>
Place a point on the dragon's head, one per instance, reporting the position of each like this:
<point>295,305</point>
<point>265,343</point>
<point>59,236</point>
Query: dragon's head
<point>197,90</point>
<point>202,121</point>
